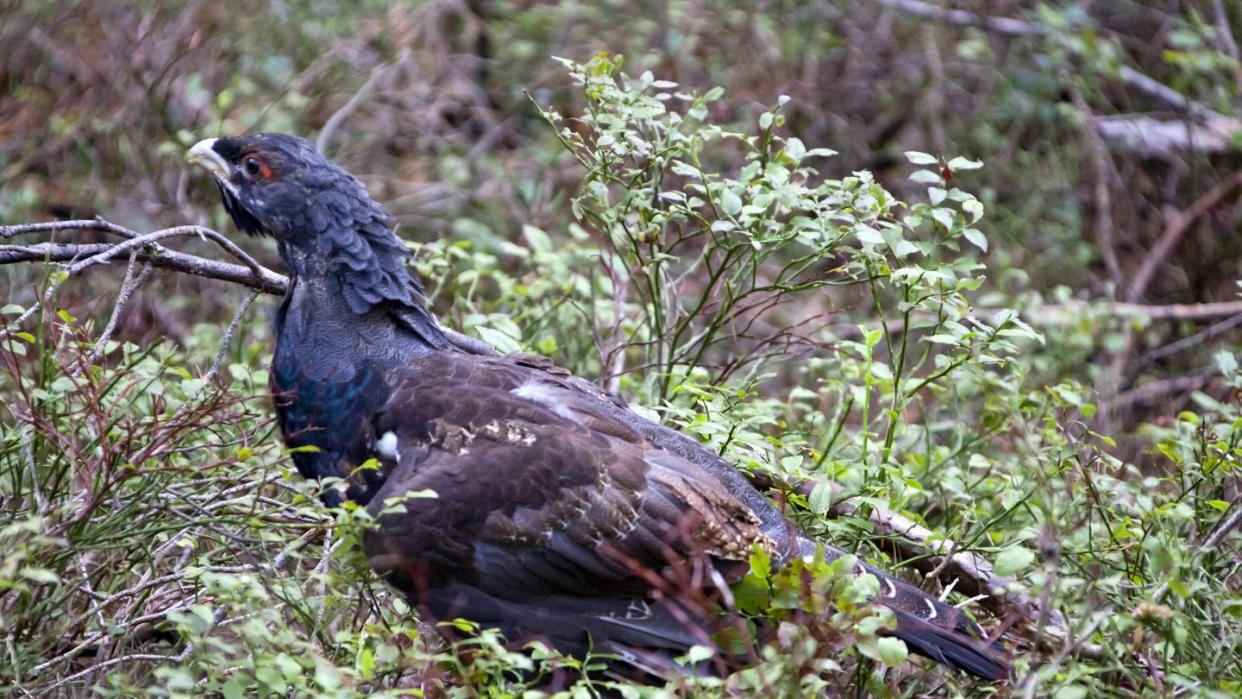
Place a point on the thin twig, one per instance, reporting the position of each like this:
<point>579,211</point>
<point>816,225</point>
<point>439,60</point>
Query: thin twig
<point>1102,194</point>
<point>1176,227</point>
<point>1178,224</point>
<point>50,690</point>
<point>155,236</point>
<point>96,224</point>
<point>228,336</point>
<point>128,286</point>
<point>972,569</point>
<point>1159,389</point>
<point>1192,341</point>
<point>339,116</point>
<point>1225,38</point>
<point>162,258</point>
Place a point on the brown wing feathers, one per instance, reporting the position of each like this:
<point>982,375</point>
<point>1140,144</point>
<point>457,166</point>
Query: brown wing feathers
<point>546,494</point>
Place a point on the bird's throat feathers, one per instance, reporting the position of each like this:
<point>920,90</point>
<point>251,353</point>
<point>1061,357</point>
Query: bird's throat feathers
<point>363,264</point>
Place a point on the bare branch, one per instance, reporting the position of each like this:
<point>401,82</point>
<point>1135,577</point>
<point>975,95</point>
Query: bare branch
<point>155,255</point>
<point>1061,314</point>
<point>1021,28</point>
<point>97,224</point>
<point>128,286</point>
<point>1192,341</point>
<point>1222,529</point>
<point>999,25</point>
<point>974,573</point>
<point>1163,138</point>
<point>1159,389</point>
<point>145,249</point>
<point>178,231</point>
<point>1178,224</point>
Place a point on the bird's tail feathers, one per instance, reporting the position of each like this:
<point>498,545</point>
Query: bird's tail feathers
<point>952,647</point>
<point>929,627</point>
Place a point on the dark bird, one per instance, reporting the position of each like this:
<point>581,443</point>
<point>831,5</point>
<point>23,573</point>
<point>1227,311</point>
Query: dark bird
<point>556,510</point>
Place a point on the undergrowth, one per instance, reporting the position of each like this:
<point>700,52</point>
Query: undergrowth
<point>156,541</point>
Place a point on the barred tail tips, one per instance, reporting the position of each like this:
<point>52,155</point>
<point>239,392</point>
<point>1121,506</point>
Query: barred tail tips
<point>929,627</point>
<point>952,648</point>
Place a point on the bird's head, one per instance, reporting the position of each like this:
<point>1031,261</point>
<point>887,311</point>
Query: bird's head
<point>279,185</point>
<point>326,224</point>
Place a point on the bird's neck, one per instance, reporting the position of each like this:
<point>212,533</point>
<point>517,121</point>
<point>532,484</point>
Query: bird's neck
<point>359,278</point>
<point>316,329</point>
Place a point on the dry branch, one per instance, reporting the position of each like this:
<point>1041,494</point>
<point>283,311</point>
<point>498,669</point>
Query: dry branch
<point>155,255</point>
<point>144,248</point>
<point>1175,229</point>
<point>1215,125</point>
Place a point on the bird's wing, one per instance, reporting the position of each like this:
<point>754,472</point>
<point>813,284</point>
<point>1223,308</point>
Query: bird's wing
<point>542,509</point>
<point>588,399</point>
<point>551,504</point>
<point>931,627</point>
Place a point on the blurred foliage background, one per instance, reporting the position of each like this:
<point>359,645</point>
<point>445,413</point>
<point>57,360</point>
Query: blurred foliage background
<point>1091,453</point>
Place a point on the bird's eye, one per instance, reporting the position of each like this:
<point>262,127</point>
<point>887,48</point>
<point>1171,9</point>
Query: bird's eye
<point>252,166</point>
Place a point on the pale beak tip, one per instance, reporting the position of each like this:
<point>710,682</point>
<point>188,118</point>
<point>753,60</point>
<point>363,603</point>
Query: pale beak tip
<point>204,153</point>
<point>202,149</point>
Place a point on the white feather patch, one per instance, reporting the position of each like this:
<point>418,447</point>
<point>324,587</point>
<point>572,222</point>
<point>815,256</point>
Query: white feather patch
<point>387,446</point>
<point>544,394</point>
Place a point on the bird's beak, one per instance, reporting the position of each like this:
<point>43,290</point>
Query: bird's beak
<point>203,154</point>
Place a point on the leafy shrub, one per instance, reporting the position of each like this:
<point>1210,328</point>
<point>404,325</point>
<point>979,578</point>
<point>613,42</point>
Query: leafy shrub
<point>155,541</point>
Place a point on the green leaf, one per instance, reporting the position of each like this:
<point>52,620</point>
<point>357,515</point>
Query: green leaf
<point>960,163</point>
<point>502,342</point>
<point>537,239</point>
<point>943,216</point>
<point>39,575</point>
<point>891,651</point>
<point>760,563</point>
<point>976,238</point>
<point>698,654</point>
<point>795,149</point>
<point>1013,560</point>
<point>1227,362</point>
<point>973,207</point>
<point>919,158</point>
<point>820,153</point>
<point>730,203</point>
<point>881,371</point>
<point>821,497</point>
<point>868,235</point>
